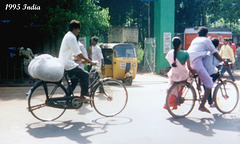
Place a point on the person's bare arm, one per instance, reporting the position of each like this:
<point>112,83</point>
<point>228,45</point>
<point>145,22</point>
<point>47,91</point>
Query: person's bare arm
<point>220,58</point>
<point>81,56</point>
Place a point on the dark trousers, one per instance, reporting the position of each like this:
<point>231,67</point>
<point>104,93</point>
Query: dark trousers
<point>228,69</point>
<point>214,78</point>
<point>77,75</point>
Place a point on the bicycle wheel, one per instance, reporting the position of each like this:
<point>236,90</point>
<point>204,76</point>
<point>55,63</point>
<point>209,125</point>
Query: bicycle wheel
<point>226,96</point>
<point>180,99</point>
<point>110,98</point>
<point>37,100</point>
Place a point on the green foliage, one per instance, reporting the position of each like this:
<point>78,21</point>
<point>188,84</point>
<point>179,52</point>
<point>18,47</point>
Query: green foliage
<point>93,18</point>
<point>55,15</point>
<point>225,13</point>
<point>140,53</point>
<point>133,13</point>
<point>224,24</point>
<point>204,12</point>
<point>119,10</point>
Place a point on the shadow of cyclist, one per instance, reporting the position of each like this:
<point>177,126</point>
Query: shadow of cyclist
<point>75,131</point>
<point>206,126</point>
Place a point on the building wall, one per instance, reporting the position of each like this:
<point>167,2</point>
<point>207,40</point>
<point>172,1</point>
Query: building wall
<point>123,35</point>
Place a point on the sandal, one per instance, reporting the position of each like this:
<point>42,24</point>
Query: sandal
<point>212,105</point>
<point>84,99</point>
<point>203,109</point>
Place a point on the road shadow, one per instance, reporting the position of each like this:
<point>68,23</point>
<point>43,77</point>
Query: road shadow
<point>75,131</point>
<point>140,84</point>
<point>206,126</point>
<point>111,121</point>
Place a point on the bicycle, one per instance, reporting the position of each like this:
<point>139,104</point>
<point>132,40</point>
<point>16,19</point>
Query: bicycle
<point>225,96</point>
<point>47,101</point>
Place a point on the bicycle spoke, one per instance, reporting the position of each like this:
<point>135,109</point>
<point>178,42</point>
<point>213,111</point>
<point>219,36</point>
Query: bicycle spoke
<point>53,91</point>
<point>37,106</point>
<point>184,92</point>
<point>188,99</point>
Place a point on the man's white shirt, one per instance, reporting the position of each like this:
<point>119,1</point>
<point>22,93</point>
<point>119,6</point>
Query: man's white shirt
<point>97,54</point>
<point>84,52</point>
<point>69,48</point>
<point>199,48</point>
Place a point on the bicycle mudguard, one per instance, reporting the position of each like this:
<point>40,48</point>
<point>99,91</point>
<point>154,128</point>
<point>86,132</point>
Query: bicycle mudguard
<point>95,86</point>
<point>105,79</point>
<point>30,90</point>
<point>28,93</point>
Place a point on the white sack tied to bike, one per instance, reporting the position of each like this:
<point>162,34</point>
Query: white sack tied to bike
<point>47,68</point>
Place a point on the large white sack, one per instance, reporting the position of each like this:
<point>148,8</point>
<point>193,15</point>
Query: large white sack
<point>46,68</point>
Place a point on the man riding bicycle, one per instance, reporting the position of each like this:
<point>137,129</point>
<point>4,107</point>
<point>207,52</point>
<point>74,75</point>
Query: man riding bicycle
<point>69,48</point>
<point>198,49</point>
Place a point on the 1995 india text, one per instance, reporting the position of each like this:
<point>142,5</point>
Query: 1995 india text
<point>22,7</point>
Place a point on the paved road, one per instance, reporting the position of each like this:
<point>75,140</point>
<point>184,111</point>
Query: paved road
<point>144,121</point>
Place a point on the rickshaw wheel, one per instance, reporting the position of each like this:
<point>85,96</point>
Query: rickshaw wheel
<point>127,81</point>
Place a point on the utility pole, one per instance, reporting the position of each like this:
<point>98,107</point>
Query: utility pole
<point>149,19</point>
<point>149,16</point>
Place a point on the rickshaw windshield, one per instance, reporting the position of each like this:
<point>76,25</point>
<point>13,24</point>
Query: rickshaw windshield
<point>123,51</point>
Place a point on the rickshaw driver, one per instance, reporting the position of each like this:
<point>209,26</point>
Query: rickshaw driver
<point>69,48</point>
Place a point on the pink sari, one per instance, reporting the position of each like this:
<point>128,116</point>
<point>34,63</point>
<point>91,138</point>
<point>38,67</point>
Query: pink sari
<point>179,73</point>
<point>176,74</point>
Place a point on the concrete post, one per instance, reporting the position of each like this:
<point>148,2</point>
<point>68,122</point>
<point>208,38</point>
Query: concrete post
<point>164,15</point>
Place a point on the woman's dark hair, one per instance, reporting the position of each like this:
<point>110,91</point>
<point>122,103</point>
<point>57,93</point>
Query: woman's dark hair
<point>215,42</point>
<point>202,31</point>
<point>74,24</point>
<point>176,43</point>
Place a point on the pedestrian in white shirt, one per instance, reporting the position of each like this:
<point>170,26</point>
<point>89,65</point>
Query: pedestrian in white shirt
<point>198,49</point>
<point>97,52</point>
<point>84,52</point>
<point>69,48</point>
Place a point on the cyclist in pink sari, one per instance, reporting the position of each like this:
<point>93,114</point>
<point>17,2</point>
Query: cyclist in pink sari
<point>179,71</point>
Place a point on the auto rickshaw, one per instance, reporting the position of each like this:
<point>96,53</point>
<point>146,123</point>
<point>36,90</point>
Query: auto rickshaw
<point>120,61</point>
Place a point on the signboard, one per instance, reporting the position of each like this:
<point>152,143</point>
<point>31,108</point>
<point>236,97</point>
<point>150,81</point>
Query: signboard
<point>122,65</point>
<point>166,42</point>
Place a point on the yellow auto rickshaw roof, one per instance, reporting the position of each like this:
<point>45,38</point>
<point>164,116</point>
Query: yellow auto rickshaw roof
<point>108,45</point>
<point>112,45</point>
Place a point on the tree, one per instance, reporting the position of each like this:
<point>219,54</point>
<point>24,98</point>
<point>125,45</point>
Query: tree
<point>133,13</point>
<point>190,13</point>
<point>225,13</point>
<point>55,15</point>
<point>118,9</point>
<point>204,12</point>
